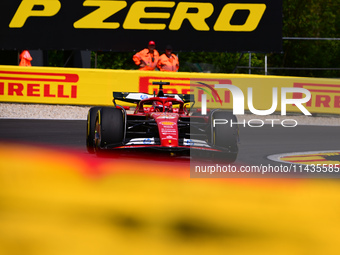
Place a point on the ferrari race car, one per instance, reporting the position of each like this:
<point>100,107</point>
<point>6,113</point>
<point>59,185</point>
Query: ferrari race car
<point>162,122</point>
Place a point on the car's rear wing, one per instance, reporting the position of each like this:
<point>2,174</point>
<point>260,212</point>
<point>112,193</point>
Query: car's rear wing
<point>133,97</point>
<point>186,98</point>
<point>130,97</point>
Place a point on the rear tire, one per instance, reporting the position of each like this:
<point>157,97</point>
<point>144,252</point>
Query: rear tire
<point>90,128</point>
<point>109,127</point>
<point>224,135</point>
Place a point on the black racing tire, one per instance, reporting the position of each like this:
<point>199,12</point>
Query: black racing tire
<point>90,128</point>
<point>225,135</point>
<point>109,127</point>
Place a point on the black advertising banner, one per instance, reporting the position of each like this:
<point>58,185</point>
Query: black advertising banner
<point>239,25</point>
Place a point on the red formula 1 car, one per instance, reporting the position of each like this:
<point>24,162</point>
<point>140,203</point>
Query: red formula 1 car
<point>161,122</point>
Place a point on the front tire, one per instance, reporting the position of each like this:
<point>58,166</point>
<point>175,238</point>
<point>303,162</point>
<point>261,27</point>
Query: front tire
<point>109,127</point>
<point>90,128</point>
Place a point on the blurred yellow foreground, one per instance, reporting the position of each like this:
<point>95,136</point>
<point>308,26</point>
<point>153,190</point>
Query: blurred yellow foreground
<point>60,202</point>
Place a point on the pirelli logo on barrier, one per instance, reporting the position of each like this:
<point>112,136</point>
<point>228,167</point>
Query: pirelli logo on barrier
<point>323,95</point>
<point>251,25</point>
<point>38,85</point>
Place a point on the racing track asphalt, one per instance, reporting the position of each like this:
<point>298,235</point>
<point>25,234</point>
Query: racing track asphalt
<point>255,143</point>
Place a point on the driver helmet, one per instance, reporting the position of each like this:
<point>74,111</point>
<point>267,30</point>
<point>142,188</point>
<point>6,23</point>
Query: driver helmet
<point>168,107</point>
<point>158,106</point>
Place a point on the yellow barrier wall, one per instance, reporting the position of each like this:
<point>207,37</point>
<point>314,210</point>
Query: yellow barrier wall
<point>75,86</point>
